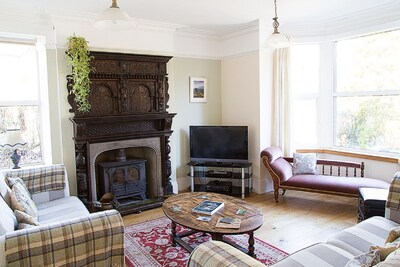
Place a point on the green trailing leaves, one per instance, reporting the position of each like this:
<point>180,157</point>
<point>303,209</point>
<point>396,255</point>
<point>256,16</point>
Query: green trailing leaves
<point>78,56</point>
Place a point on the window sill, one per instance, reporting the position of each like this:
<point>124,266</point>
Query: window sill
<point>350,154</point>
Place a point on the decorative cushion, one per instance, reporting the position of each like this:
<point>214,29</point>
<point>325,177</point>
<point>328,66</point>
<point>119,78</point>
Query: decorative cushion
<point>304,163</point>
<point>21,200</point>
<point>367,259</point>
<point>389,247</point>
<point>25,220</point>
<point>393,260</point>
<point>393,234</point>
<point>12,181</point>
<point>386,249</point>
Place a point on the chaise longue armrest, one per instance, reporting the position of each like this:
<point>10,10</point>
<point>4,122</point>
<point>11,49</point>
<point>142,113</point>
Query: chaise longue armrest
<point>97,238</point>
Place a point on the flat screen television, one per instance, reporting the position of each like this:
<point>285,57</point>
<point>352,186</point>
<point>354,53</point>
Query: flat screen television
<point>219,144</point>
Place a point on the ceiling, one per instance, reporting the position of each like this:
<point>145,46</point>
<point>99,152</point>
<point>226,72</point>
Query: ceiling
<point>214,16</point>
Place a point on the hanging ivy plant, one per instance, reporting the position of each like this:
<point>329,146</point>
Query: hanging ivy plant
<point>78,56</point>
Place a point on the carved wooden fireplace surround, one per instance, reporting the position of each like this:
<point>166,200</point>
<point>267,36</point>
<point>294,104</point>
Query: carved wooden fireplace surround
<point>129,101</point>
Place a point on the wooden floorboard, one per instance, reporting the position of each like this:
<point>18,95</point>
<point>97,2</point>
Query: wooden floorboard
<point>299,219</point>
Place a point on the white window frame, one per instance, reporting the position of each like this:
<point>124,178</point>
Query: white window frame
<point>43,102</point>
<point>335,93</point>
<point>312,96</point>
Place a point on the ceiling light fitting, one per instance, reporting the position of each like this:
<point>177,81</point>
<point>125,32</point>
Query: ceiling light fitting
<point>276,39</point>
<point>113,18</point>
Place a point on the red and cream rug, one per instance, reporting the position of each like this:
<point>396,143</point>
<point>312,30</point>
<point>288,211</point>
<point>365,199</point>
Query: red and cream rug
<point>148,244</point>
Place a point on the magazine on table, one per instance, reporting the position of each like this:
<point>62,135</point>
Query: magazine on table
<point>208,207</point>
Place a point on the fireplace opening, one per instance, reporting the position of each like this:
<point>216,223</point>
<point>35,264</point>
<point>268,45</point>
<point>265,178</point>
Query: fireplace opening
<point>131,170</point>
<point>126,179</point>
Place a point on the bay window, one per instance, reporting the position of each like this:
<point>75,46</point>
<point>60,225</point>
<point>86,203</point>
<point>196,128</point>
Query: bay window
<point>351,89</point>
<point>367,93</point>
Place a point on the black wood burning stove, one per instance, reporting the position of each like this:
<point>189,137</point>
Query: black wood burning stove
<point>126,180</point>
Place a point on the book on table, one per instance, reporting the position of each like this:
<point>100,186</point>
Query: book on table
<point>208,207</point>
<point>228,222</point>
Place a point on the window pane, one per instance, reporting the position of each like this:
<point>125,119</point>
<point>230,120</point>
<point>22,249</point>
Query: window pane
<point>305,123</point>
<point>28,118</point>
<point>368,123</point>
<point>370,63</point>
<point>18,66</point>
<point>305,69</point>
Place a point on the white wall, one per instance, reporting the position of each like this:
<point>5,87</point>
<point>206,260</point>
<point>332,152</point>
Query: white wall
<point>240,90</point>
<point>188,113</point>
<point>373,168</point>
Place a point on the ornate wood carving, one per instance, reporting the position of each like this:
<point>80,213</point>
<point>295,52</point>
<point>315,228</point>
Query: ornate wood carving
<point>128,97</point>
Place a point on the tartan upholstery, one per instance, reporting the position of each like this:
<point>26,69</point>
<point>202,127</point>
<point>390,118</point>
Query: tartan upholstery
<point>217,253</point>
<point>93,240</point>
<point>393,200</point>
<point>41,179</point>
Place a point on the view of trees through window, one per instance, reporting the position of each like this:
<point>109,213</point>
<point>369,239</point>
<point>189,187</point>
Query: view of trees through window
<point>20,102</point>
<point>367,96</point>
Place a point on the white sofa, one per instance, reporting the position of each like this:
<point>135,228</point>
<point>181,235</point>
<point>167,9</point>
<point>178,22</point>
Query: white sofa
<point>67,233</point>
<point>339,250</point>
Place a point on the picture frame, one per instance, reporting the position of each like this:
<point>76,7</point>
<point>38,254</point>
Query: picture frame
<point>198,89</point>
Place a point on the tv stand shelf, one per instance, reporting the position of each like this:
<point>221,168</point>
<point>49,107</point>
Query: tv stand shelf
<point>224,177</point>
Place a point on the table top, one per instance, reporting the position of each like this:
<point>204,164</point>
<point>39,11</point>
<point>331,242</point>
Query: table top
<point>250,221</point>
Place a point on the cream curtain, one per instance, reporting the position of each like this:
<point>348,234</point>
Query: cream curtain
<point>281,101</point>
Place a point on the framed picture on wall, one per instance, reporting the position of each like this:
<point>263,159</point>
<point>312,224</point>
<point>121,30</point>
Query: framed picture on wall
<point>198,89</point>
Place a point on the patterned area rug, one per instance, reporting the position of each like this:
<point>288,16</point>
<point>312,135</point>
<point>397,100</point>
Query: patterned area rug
<point>148,244</point>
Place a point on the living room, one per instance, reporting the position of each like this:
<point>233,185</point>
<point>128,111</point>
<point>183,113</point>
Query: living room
<point>227,50</point>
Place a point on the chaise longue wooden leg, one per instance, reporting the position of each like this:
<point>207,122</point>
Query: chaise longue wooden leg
<point>276,195</point>
<point>283,191</point>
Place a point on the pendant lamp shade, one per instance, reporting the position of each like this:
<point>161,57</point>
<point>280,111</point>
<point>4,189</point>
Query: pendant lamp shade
<point>113,18</point>
<point>277,40</point>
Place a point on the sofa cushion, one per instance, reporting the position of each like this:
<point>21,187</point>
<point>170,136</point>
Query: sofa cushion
<point>21,200</point>
<point>320,254</point>
<point>347,185</point>
<point>61,209</point>
<point>8,221</point>
<point>359,238</point>
<point>304,163</point>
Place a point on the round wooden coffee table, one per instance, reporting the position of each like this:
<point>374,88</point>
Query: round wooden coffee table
<point>250,221</point>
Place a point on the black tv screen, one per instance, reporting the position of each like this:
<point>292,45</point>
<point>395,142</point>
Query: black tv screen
<point>219,143</point>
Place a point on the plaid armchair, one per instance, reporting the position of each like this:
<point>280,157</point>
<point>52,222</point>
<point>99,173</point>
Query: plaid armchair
<point>68,235</point>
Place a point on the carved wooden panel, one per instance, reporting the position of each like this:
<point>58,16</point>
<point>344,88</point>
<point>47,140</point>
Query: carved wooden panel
<point>107,66</point>
<point>103,97</point>
<point>141,96</point>
<point>140,67</point>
